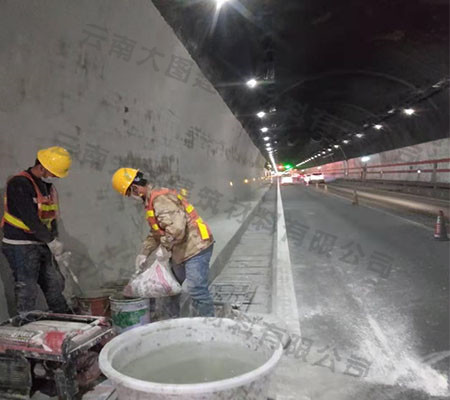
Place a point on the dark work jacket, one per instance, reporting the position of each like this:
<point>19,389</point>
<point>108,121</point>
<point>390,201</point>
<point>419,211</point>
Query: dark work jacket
<point>20,193</point>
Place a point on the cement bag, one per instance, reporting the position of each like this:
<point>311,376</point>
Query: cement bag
<point>155,281</point>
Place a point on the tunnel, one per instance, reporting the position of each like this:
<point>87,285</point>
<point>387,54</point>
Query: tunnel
<point>311,140</point>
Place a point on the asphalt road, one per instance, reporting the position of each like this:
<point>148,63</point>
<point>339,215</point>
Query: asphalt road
<point>372,292</point>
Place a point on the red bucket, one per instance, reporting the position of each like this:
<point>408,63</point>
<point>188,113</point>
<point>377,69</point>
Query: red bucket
<point>94,303</point>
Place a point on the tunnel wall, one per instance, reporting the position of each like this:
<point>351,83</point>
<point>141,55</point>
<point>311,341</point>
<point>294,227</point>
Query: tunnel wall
<point>423,163</point>
<point>109,81</point>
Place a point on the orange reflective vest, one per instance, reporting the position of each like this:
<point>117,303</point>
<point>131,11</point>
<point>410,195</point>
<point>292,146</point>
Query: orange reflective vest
<point>193,217</point>
<point>47,207</point>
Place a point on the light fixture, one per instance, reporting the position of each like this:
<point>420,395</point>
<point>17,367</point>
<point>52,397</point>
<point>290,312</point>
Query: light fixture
<point>245,180</point>
<point>273,109</point>
<point>254,179</point>
<point>359,135</point>
<point>365,158</point>
<point>391,111</point>
<point>409,111</point>
<point>266,138</point>
<point>336,146</point>
<point>378,127</point>
<point>324,152</point>
<point>419,171</point>
<point>319,167</point>
<point>220,3</point>
<point>261,114</point>
<point>252,83</point>
<point>346,141</point>
<point>264,129</point>
<point>231,183</point>
<point>330,149</point>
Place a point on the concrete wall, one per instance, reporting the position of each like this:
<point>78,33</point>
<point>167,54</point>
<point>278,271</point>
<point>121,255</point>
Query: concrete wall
<point>109,80</point>
<point>432,159</point>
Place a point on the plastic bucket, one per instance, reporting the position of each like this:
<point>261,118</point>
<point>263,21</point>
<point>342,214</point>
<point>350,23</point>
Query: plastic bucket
<point>94,303</point>
<point>129,313</point>
<point>145,342</point>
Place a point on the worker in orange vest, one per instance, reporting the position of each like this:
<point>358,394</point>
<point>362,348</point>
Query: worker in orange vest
<point>176,225</point>
<point>30,231</point>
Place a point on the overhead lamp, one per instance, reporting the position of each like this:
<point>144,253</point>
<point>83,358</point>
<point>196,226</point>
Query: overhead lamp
<point>330,149</point>
<point>391,111</point>
<point>220,3</point>
<point>324,152</point>
<point>409,111</point>
<point>245,180</point>
<point>346,141</point>
<point>378,127</point>
<point>252,83</point>
<point>365,158</point>
<point>231,183</point>
<point>261,114</point>
<point>266,138</point>
<point>264,129</point>
<point>419,171</point>
<point>359,135</point>
<point>336,146</point>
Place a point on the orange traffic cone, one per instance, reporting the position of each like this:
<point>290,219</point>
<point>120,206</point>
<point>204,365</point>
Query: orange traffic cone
<point>440,230</point>
<point>355,200</point>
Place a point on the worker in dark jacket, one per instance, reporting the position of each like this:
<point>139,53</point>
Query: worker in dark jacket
<point>30,231</point>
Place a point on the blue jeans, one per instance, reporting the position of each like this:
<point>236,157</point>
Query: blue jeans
<point>195,271</point>
<point>33,265</point>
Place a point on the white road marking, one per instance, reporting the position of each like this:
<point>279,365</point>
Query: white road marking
<point>284,301</point>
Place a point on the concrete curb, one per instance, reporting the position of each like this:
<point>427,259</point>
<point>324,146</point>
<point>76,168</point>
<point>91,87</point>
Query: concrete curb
<point>222,258</point>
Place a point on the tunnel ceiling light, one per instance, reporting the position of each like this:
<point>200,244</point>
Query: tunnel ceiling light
<point>346,141</point>
<point>252,83</point>
<point>336,146</point>
<point>419,171</point>
<point>330,149</point>
<point>266,138</point>
<point>378,127</point>
<point>365,158</point>
<point>391,111</point>
<point>231,183</point>
<point>409,111</point>
<point>220,3</point>
<point>359,135</point>
<point>261,114</point>
<point>273,109</point>
<point>324,152</point>
<point>264,129</point>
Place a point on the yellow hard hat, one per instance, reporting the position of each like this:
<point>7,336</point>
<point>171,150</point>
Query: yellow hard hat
<point>123,178</point>
<point>55,159</point>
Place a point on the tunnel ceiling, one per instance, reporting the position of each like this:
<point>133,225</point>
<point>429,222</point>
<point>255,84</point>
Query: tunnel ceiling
<point>328,70</point>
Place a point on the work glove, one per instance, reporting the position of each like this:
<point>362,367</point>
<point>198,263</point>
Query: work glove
<point>140,262</point>
<point>56,247</point>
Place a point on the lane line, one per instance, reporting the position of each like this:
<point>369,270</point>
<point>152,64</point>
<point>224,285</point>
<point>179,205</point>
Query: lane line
<point>284,301</point>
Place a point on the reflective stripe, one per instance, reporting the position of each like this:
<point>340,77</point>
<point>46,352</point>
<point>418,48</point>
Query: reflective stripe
<point>155,227</point>
<point>184,192</point>
<point>52,207</point>
<point>180,197</point>
<point>203,229</point>
<point>189,208</point>
<point>47,222</point>
<point>15,221</point>
<point>150,213</point>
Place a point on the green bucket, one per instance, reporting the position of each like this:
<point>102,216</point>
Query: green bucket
<point>128,313</point>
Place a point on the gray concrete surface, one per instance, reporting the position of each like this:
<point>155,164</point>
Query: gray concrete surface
<point>373,298</point>
<point>110,81</point>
